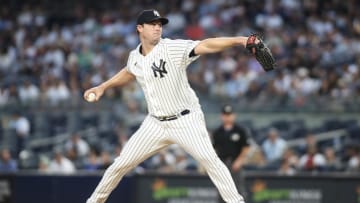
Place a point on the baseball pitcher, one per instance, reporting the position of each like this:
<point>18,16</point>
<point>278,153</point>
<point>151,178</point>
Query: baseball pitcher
<point>175,116</point>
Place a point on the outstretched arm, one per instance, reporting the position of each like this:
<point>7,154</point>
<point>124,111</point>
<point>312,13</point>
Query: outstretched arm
<point>120,79</point>
<point>213,45</point>
<point>240,160</point>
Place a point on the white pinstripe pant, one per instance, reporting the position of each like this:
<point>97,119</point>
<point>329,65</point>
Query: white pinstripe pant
<point>190,133</point>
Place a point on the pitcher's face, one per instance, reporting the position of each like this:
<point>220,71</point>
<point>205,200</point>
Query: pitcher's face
<point>151,31</point>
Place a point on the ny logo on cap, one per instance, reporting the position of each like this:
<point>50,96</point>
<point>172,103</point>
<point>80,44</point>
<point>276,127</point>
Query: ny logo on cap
<point>156,13</point>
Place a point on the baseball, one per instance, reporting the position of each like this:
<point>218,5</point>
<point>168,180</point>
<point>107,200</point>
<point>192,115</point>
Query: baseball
<point>91,97</point>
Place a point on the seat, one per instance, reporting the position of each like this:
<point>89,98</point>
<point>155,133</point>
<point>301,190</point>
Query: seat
<point>58,122</point>
<point>332,124</point>
<point>282,125</point>
<point>89,119</point>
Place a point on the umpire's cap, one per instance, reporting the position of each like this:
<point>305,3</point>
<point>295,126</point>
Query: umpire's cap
<point>147,16</point>
<point>227,109</point>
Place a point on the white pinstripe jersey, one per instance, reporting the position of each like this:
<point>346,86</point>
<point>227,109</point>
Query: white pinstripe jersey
<point>162,76</point>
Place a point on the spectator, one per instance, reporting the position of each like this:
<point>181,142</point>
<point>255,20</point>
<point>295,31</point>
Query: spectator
<point>163,161</point>
<point>310,141</point>
<point>76,147</point>
<point>274,146</point>
<point>29,93</point>
<point>312,161</point>
<point>134,116</point>
<point>291,157</point>
<point>57,92</point>
<point>13,94</point>
<point>60,164</point>
<point>257,160</point>
<point>43,165</point>
<point>7,163</point>
<point>353,163</point>
<point>105,160</point>
<point>333,162</point>
<point>286,168</point>
<point>7,58</point>
<point>4,96</point>
<point>21,125</point>
<point>95,47</point>
<point>289,163</point>
<point>92,162</point>
<point>183,162</point>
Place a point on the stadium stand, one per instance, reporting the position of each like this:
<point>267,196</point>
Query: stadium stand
<point>50,53</point>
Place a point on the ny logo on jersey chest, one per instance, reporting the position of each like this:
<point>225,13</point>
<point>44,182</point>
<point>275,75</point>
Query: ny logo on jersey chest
<point>159,69</point>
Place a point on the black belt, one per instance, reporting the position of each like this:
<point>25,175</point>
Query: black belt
<point>172,117</point>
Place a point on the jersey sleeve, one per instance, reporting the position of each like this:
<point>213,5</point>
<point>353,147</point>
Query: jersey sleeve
<point>179,51</point>
<point>245,132</point>
<point>130,63</point>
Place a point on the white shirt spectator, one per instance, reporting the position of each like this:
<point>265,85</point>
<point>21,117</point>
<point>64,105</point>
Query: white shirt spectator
<point>29,92</point>
<point>282,83</point>
<point>20,124</point>
<point>272,20</point>
<point>4,96</point>
<point>354,163</point>
<point>290,4</point>
<point>209,22</point>
<point>227,64</point>
<point>58,93</point>
<point>19,37</point>
<point>81,146</point>
<point>319,26</point>
<point>227,15</point>
<point>7,59</point>
<point>187,5</point>
<point>274,146</point>
<point>244,78</point>
<point>178,21</point>
<point>66,34</point>
<point>25,17</point>
<point>303,84</point>
<point>55,58</point>
<point>61,164</point>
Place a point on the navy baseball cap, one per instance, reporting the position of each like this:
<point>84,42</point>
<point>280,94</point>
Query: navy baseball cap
<point>227,109</point>
<point>147,16</point>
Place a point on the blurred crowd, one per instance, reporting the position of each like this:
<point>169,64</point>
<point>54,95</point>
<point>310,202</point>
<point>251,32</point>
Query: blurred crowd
<point>52,59</point>
<point>50,55</point>
<point>272,154</point>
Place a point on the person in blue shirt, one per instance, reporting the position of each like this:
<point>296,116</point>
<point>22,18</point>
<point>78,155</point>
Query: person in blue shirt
<point>7,163</point>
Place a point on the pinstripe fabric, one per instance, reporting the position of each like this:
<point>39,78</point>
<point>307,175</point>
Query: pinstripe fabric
<point>191,134</point>
<point>172,93</point>
<point>146,141</point>
<point>162,76</point>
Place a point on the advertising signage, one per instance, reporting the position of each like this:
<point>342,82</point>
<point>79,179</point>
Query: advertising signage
<point>302,189</point>
<point>175,189</point>
<point>6,189</point>
<point>260,189</point>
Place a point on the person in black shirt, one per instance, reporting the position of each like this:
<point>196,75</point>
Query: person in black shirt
<point>231,142</point>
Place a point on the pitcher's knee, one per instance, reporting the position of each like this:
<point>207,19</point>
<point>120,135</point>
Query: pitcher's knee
<point>121,164</point>
<point>210,161</point>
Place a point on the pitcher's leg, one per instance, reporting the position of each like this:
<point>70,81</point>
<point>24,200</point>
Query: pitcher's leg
<point>191,134</point>
<point>145,142</point>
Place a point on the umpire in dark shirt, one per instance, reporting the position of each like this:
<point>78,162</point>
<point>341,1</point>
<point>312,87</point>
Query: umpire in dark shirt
<point>231,142</point>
